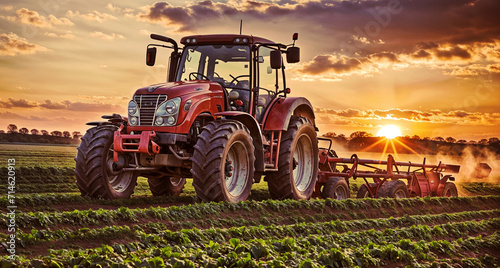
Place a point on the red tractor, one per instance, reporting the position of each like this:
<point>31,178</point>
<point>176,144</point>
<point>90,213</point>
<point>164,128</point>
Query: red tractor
<point>222,118</point>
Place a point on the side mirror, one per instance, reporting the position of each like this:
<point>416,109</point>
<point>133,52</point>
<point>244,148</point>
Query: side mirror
<point>293,55</point>
<point>276,59</point>
<point>151,56</point>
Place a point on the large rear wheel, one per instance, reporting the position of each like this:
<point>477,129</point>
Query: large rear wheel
<point>96,173</point>
<point>298,162</point>
<point>223,162</point>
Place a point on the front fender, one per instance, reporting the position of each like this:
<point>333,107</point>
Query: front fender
<point>281,110</point>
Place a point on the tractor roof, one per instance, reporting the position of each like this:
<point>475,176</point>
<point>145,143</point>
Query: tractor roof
<point>223,39</point>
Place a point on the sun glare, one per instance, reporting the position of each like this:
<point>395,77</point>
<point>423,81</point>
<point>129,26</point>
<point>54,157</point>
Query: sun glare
<point>389,131</point>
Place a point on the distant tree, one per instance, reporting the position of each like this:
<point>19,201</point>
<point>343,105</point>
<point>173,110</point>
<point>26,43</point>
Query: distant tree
<point>35,131</point>
<point>426,139</point>
<point>462,141</point>
<point>416,137</point>
<point>44,132</point>
<point>330,135</point>
<point>2,131</point>
<point>450,140</point>
<point>56,133</point>
<point>66,134</point>
<point>360,134</point>
<point>76,134</point>
<point>483,142</point>
<point>492,141</point>
<point>12,128</point>
<point>23,130</point>
<point>438,139</point>
<point>472,142</point>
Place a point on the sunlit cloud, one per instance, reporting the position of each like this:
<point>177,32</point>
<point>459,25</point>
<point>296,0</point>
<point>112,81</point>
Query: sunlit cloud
<point>329,116</point>
<point>6,8</point>
<point>67,35</point>
<point>107,37</point>
<point>95,106</point>
<point>12,45</point>
<point>33,18</point>
<point>91,16</point>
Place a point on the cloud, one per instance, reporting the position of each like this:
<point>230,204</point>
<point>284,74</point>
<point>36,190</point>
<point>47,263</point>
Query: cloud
<point>12,45</point>
<point>33,18</point>
<point>10,115</point>
<point>452,52</point>
<point>330,63</point>
<point>67,35</point>
<point>126,11</point>
<point>456,60</point>
<point>96,106</point>
<point>434,116</point>
<point>91,16</point>
<point>78,106</point>
<point>20,103</point>
<point>107,37</point>
<point>6,8</point>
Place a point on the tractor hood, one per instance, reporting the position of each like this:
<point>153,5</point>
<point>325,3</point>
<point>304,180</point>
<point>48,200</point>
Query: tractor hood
<point>179,88</point>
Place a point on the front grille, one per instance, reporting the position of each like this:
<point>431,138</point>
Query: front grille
<point>147,107</point>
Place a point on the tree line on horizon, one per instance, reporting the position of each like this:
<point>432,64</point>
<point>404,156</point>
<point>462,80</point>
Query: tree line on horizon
<point>364,134</point>
<point>12,128</point>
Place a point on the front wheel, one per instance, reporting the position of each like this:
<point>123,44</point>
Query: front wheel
<point>223,162</point>
<point>298,162</point>
<point>336,188</point>
<point>96,173</point>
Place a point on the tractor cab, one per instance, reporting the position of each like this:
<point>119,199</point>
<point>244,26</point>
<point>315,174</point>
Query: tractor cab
<point>242,65</point>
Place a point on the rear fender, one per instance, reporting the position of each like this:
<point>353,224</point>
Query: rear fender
<point>281,110</point>
<point>255,132</point>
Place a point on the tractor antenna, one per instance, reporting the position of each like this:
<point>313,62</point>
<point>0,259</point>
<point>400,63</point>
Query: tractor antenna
<point>241,25</point>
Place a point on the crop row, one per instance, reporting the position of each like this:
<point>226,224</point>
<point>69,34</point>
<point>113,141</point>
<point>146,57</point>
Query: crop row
<point>204,210</point>
<point>252,229</point>
<point>25,188</point>
<point>482,187</point>
<point>412,245</point>
<point>50,199</point>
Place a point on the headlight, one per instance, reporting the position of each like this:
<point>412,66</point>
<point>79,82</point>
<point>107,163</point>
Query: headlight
<point>159,121</point>
<point>170,120</point>
<point>132,107</point>
<point>170,107</point>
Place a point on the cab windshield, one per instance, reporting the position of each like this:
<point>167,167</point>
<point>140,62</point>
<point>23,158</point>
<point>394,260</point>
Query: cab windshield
<point>225,64</point>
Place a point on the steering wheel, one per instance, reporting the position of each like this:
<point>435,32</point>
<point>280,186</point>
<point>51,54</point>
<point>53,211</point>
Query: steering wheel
<point>269,92</point>
<point>236,78</point>
<point>194,74</point>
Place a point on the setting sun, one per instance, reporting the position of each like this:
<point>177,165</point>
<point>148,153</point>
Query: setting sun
<point>389,131</point>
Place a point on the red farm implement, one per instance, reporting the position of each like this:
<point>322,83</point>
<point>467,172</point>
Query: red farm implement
<point>387,177</point>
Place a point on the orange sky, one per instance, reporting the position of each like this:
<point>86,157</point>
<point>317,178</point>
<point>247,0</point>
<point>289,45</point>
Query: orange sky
<point>430,67</point>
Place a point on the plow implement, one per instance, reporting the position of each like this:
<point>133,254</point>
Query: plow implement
<point>386,177</point>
